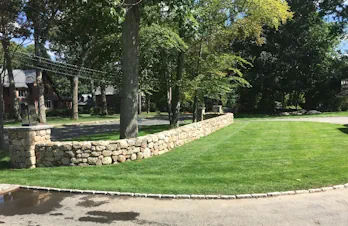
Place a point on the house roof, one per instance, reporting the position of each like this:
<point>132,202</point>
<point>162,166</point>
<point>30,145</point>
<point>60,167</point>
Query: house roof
<point>21,78</point>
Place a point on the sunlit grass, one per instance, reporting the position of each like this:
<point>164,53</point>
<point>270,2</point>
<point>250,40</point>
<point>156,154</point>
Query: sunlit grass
<point>246,157</point>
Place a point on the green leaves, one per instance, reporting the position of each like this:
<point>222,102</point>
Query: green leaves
<point>161,37</point>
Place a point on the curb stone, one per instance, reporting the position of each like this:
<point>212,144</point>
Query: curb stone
<point>327,188</point>
<point>184,196</point>
<point>338,187</point>
<point>244,196</point>
<point>315,190</point>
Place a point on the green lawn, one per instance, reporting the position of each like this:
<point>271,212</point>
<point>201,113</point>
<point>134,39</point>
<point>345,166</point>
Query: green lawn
<point>246,157</point>
<point>268,116</point>
<point>83,118</point>
<point>143,130</point>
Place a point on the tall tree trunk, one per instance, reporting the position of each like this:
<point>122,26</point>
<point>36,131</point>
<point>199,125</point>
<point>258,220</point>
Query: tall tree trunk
<point>174,122</point>
<point>2,140</point>
<point>169,102</point>
<point>39,78</point>
<point>139,103</point>
<point>195,101</point>
<point>148,104</point>
<point>130,67</point>
<point>195,108</point>
<point>75,98</point>
<point>310,101</point>
<point>104,107</point>
<point>15,110</point>
<point>94,98</point>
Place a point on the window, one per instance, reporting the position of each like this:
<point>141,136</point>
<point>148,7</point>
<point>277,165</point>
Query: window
<point>22,93</point>
<point>48,104</point>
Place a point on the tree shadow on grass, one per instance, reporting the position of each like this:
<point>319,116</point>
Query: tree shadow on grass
<point>4,160</point>
<point>344,130</point>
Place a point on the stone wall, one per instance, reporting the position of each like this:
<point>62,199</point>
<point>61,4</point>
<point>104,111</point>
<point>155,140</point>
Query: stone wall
<point>22,141</point>
<point>49,154</point>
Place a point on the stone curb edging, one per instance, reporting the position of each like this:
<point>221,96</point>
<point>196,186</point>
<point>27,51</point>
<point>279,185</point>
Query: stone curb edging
<point>182,196</point>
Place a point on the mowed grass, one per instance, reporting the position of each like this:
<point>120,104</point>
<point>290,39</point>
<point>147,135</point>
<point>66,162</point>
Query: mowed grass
<point>246,157</point>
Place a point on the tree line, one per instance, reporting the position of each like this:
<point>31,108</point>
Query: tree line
<point>250,55</point>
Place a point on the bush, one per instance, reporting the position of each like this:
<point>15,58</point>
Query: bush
<point>98,111</point>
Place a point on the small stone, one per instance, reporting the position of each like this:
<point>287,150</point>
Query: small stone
<point>107,153</point>
<point>123,144</point>
<point>86,146</point>
<point>133,157</point>
<point>112,147</point>
<point>131,142</point>
<point>100,148</point>
<point>107,161</point>
<point>92,161</point>
<point>42,133</point>
<point>70,154</point>
<point>96,154</point>
<point>66,161</point>
<point>99,162</point>
<point>147,153</point>
<point>140,155</point>
<point>121,158</point>
<point>74,160</point>
<point>85,155</point>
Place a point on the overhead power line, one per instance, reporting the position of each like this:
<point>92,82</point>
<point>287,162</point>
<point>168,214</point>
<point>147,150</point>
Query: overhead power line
<point>65,69</point>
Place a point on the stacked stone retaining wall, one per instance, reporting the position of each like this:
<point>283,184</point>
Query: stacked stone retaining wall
<point>50,154</point>
<point>22,142</point>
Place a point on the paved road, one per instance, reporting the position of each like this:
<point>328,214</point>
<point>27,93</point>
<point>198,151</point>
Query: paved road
<point>42,208</point>
<point>71,131</point>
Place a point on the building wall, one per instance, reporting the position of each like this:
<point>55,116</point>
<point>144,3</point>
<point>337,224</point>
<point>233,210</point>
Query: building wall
<point>49,96</point>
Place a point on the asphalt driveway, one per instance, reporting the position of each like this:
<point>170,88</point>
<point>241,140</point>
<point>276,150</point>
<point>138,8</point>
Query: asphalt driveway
<point>43,208</point>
